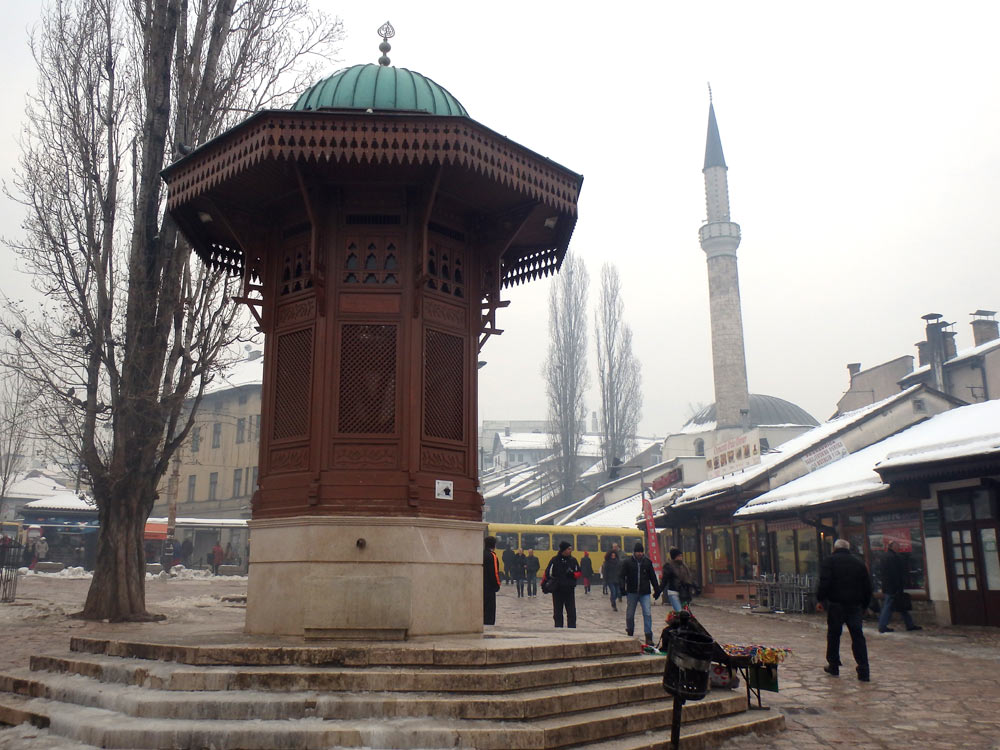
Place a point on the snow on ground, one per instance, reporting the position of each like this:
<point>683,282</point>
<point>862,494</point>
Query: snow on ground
<point>27,736</point>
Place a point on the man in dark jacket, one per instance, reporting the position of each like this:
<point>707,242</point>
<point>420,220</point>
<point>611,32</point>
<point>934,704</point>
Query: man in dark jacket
<point>845,590</point>
<point>531,566</point>
<point>564,570</point>
<point>508,560</point>
<point>612,574</point>
<point>637,577</point>
<point>893,584</point>
<point>491,581</point>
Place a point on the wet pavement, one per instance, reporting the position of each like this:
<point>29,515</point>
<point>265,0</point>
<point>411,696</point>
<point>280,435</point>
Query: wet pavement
<point>936,688</point>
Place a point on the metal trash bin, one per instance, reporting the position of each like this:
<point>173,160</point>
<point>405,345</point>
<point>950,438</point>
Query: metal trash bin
<point>10,560</point>
<point>689,661</point>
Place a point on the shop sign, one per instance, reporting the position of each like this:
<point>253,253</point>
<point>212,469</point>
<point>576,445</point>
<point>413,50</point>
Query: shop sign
<point>884,528</point>
<point>824,454</point>
<point>734,454</point>
<point>665,480</point>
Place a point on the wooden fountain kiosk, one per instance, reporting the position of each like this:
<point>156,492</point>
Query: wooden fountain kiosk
<point>374,225</point>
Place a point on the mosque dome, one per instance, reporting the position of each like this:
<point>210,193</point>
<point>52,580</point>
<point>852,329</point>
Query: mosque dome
<point>764,410</point>
<point>380,88</point>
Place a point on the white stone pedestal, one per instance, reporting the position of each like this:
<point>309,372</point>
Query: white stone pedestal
<point>369,578</point>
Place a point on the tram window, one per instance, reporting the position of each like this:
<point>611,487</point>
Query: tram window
<point>558,539</point>
<point>537,542</point>
<point>586,542</point>
<point>608,541</point>
<point>506,540</point>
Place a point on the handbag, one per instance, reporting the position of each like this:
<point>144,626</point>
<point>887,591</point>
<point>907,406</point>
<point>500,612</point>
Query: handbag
<point>549,586</point>
<point>902,602</point>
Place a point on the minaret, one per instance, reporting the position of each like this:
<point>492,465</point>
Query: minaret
<point>720,238</point>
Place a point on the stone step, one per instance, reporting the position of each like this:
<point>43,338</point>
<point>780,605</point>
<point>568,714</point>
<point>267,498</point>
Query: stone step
<point>461,652</point>
<point>247,705</point>
<point>110,729</point>
<point>492,680</point>
<point>698,735</point>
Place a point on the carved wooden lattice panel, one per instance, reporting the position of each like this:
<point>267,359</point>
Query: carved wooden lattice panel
<point>291,390</point>
<point>296,268</point>
<point>444,385</point>
<point>446,271</point>
<point>367,379</point>
<point>373,260</point>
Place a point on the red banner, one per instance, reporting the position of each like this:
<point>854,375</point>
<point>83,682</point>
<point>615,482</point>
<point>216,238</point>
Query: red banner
<point>652,545</point>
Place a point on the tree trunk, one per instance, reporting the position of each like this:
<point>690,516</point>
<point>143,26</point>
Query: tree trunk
<point>118,589</point>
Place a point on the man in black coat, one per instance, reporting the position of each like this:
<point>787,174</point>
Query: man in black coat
<point>637,578</point>
<point>893,584</point>
<point>508,559</point>
<point>564,570</point>
<point>531,566</point>
<point>845,590</point>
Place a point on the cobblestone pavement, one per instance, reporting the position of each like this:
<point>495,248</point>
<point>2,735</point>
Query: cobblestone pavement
<point>937,688</point>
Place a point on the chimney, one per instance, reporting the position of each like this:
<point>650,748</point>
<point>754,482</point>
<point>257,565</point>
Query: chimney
<point>984,327</point>
<point>506,431</point>
<point>950,349</point>
<point>853,369</point>
<point>922,358</point>
<point>936,348</point>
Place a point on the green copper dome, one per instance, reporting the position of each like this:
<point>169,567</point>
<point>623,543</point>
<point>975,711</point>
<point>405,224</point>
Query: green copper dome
<point>380,87</point>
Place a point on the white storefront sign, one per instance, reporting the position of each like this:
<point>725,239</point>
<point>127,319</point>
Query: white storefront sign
<point>824,454</point>
<point>734,454</point>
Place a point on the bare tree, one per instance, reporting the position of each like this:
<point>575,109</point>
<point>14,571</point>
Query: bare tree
<point>131,325</point>
<point>15,426</point>
<point>566,368</point>
<point>618,371</point>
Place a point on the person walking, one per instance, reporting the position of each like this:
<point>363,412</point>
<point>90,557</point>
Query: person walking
<point>491,580</point>
<point>217,557</point>
<point>564,570</point>
<point>637,578</point>
<point>518,570</point>
<point>531,566</point>
<point>893,586</point>
<point>845,591</point>
<point>508,559</point>
<point>677,581</point>
<point>586,571</point>
<point>612,574</point>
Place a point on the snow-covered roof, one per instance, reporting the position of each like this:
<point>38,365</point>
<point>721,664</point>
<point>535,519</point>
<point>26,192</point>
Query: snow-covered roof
<point>35,487</point>
<point>787,451</point>
<point>963,431</point>
<point>62,501</point>
<point>963,355</point>
<point>555,516</point>
<point>623,513</point>
<point>526,441</point>
<point>248,370</point>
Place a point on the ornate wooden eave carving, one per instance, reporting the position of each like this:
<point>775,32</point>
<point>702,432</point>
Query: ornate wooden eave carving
<point>335,136</point>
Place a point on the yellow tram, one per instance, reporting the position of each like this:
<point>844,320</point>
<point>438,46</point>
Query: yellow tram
<point>545,540</point>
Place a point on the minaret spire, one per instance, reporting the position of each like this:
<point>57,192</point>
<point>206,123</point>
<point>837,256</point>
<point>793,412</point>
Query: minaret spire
<point>720,239</point>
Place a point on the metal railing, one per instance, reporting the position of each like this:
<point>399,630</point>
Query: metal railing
<point>786,592</point>
<point>11,554</point>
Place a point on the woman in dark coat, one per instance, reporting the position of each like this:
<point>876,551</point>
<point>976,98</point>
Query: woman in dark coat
<point>564,570</point>
<point>586,571</point>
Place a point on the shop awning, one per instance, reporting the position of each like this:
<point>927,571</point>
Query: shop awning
<point>155,531</point>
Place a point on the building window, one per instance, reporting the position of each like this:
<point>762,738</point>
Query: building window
<point>253,486</point>
<point>241,428</point>
<point>237,482</point>
<point>903,528</point>
<point>699,447</point>
<point>217,434</point>
<point>254,428</point>
<point>191,484</point>
<point>195,439</point>
<point>213,484</point>
<point>719,546</point>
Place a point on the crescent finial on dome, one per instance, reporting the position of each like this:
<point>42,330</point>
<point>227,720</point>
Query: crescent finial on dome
<point>386,32</point>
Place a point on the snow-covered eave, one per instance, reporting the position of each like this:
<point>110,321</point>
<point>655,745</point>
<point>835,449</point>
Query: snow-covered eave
<point>813,499</point>
<point>922,467</point>
<point>738,481</point>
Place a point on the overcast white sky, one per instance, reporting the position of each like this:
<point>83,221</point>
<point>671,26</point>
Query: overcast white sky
<point>863,152</point>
